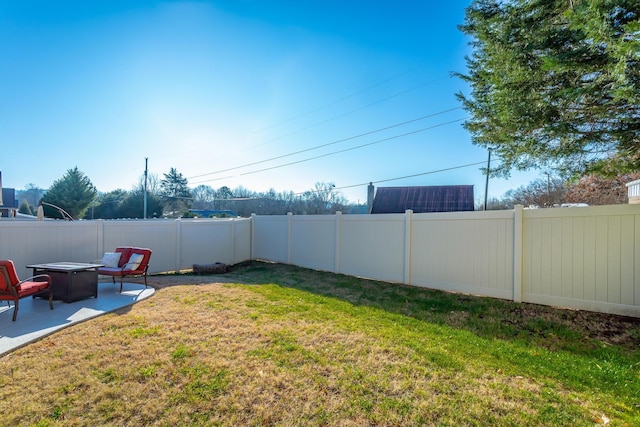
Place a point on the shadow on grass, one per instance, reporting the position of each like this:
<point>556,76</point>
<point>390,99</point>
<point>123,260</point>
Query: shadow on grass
<point>578,332</point>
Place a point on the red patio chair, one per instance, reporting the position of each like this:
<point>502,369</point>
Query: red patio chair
<point>12,288</point>
<point>127,267</point>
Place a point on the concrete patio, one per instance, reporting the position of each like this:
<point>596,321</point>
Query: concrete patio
<point>36,320</point>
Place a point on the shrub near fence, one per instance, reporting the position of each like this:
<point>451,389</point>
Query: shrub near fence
<point>583,258</point>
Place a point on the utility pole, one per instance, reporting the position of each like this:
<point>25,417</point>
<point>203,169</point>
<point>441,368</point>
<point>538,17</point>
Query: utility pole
<point>146,162</point>
<point>548,189</point>
<point>486,185</point>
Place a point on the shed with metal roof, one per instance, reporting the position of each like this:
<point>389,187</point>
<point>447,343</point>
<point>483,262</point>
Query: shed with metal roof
<point>421,199</point>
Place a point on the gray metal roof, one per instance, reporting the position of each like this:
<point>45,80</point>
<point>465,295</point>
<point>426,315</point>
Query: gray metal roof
<point>442,198</point>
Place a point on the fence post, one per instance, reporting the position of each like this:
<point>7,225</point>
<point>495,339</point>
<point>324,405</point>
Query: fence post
<point>408,218</point>
<point>252,239</point>
<point>336,262</point>
<point>178,244</point>
<point>289,237</point>
<point>518,242</point>
<point>100,249</point>
<point>232,240</point>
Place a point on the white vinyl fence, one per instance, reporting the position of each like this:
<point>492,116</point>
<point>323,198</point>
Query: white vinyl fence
<point>583,258</point>
<point>176,245</point>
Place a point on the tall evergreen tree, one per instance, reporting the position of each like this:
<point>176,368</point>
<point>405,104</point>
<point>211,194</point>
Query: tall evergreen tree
<point>25,208</point>
<point>174,189</point>
<point>73,193</point>
<point>555,83</point>
<point>106,205</point>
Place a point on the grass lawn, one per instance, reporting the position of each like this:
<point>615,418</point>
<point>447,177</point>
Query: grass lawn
<point>269,344</point>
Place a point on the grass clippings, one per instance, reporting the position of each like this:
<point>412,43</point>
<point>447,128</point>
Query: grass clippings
<point>268,344</point>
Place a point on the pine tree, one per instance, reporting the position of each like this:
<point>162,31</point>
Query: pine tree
<point>555,83</point>
<point>72,193</point>
<point>174,189</point>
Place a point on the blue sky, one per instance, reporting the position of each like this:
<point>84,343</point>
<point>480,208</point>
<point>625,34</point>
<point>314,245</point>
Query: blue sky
<point>260,94</point>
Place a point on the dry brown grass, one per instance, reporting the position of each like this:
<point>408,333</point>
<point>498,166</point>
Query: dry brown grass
<point>215,353</point>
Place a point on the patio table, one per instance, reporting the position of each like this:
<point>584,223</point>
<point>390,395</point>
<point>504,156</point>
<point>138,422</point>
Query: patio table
<point>70,281</point>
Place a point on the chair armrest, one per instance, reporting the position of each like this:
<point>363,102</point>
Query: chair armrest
<point>5,273</point>
<point>39,276</point>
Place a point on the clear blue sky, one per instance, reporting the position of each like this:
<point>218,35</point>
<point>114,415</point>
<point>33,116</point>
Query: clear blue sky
<point>208,87</point>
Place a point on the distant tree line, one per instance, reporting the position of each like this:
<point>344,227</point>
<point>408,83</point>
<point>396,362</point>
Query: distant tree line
<point>171,197</point>
<point>322,199</point>
<point>553,191</point>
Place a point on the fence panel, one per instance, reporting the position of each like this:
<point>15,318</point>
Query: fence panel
<point>270,239</point>
<point>41,242</point>
<point>373,246</point>
<point>242,240</point>
<point>161,236</point>
<point>464,252</point>
<point>313,241</point>
<point>206,241</point>
<point>583,258</point>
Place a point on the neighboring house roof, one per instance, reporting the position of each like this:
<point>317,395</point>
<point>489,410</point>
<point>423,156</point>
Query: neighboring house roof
<point>9,198</point>
<point>8,203</point>
<point>442,198</point>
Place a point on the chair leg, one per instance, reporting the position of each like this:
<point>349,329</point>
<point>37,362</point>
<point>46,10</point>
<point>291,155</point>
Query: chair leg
<point>15,309</point>
<point>120,284</point>
<point>50,299</point>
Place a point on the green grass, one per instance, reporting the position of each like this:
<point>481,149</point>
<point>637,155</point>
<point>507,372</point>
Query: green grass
<point>280,345</point>
<point>456,333</point>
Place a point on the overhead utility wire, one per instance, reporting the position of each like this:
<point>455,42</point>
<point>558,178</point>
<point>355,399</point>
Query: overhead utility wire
<point>411,176</point>
<point>373,182</point>
<point>379,181</point>
<point>352,148</point>
<point>313,110</point>
<point>337,152</point>
<point>325,145</point>
<point>341,115</point>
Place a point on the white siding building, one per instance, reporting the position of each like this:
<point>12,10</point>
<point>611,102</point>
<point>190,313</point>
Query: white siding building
<point>634,192</point>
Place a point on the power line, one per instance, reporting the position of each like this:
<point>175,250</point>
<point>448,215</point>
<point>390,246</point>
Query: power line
<point>325,145</point>
<point>313,110</point>
<point>341,115</point>
<point>411,176</point>
<point>336,152</point>
<point>352,148</point>
<point>379,181</point>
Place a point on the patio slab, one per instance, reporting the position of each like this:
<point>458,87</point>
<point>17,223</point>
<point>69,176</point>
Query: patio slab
<point>36,320</point>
